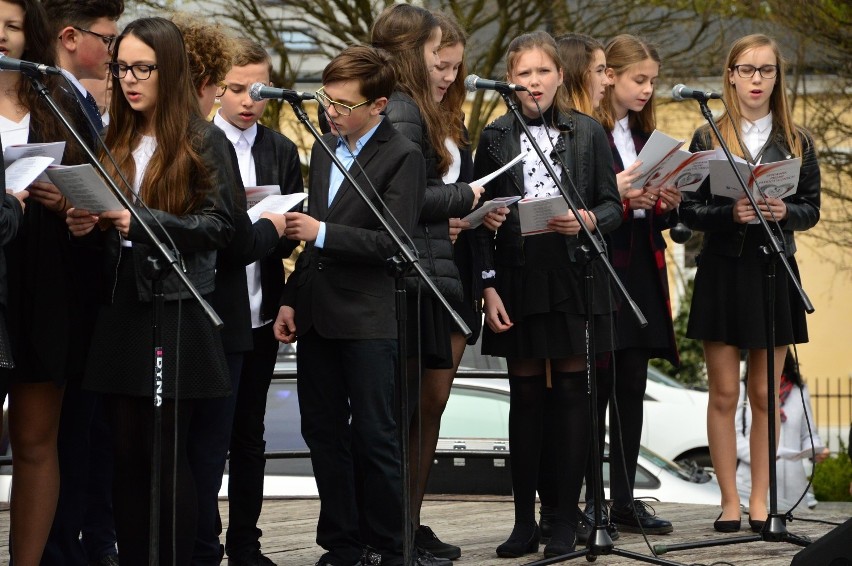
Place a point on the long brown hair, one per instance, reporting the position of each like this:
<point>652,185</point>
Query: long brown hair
<point>622,52</point>
<point>403,30</point>
<point>782,118</point>
<point>545,42</point>
<point>452,34</point>
<point>175,180</point>
<point>577,52</point>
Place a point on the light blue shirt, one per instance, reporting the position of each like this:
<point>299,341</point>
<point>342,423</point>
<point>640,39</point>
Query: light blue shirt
<point>335,179</point>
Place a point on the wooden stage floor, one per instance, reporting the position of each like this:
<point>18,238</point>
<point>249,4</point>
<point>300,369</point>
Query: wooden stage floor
<point>479,524</point>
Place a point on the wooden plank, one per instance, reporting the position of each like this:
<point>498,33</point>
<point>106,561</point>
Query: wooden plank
<point>479,524</point>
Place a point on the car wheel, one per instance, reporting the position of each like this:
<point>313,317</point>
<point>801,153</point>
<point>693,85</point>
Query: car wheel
<point>700,456</point>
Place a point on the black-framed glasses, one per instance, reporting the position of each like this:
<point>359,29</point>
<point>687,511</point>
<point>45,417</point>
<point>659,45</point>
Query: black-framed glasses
<point>140,72</point>
<point>748,71</point>
<point>339,107</point>
<point>107,39</point>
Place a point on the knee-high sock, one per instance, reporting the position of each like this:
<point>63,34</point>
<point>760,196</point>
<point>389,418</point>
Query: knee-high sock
<point>526,418</point>
<point>571,438</point>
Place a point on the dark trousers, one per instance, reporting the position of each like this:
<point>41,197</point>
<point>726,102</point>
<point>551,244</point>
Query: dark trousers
<point>209,436</point>
<point>85,497</point>
<point>627,386</point>
<point>247,461</point>
<point>339,380</point>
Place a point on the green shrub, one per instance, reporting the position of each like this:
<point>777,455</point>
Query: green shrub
<point>832,478</point>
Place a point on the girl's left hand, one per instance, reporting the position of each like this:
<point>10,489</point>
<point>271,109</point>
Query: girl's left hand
<point>120,220</point>
<point>456,226</point>
<point>48,195</point>
<point>773,208</point>
<point>568,224</point>
<point>670,198</point>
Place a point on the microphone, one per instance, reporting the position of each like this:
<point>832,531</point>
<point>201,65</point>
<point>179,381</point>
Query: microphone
<point>473,83</point>
<point>682,92</point>
<point>260,91</point>
<point>31,69</point>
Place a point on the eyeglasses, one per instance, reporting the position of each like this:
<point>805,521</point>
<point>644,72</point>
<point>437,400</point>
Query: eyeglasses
<point>747,71</point>
<point>107,39</point>
<point>140,72</point>
<point>339,107</point>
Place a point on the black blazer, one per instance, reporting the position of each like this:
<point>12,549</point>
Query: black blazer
<point>713,215</point>
<point>343,290</point>
<point>276,163</point>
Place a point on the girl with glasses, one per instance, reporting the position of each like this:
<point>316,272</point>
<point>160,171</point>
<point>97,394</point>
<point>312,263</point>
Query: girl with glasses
<point>727,311</point>
<point>181,166</point>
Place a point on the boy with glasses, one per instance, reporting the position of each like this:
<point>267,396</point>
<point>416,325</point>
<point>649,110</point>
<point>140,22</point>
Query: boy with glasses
<point>339,302</point>
<point>83,531</point>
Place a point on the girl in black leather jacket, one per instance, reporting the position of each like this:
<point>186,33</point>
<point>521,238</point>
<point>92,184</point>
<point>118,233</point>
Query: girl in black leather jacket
<point>535,307</point>
<point>727,305</point>
<point>180,165</point>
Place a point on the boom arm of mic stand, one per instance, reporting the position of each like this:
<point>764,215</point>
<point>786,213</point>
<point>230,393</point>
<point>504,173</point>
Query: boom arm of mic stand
<point>405,252</point>
<point>598,250</point>
<point>774,244</point>
<point>163,250</point>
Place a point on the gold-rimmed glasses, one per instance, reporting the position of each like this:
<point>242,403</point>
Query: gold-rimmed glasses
<point>339,107</point>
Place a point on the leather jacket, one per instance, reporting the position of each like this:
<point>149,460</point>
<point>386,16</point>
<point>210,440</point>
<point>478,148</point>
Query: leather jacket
<point>583,148</point>
<point>714,215</point>
<point>197,235</point>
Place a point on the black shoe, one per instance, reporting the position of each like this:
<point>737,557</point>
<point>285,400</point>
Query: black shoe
<point>523,540</point>
<point>108,560</point>
<point>425,558</point>
<point>586,520</point>
<point>425,539</point>
<point>756,526</point>
<point>562,540</point>
<point>731,526</point>
<point>255,558</point>
<point>546,518</point>
<point>642,520</point>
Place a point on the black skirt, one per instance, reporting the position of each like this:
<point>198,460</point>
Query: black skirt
<point>728,303</point>
<point>428,331</point>
<point>121,359</point>
<point>545,300</point>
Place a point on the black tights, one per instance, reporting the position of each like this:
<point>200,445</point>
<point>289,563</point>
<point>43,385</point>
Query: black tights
<point>132,419</point>
<point>568,426</point>
<point>631,366</point>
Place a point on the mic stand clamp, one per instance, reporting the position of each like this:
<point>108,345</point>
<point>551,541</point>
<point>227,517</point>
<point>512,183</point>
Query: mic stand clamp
<point>399,265</point>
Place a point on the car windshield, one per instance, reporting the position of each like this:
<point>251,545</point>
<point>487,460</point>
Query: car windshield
<point>666,465</point>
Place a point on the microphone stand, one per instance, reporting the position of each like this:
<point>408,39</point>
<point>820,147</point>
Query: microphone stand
<point>155,270</point>
<point>774,529</point>
<point>599,543</point>
<point>398,265</point>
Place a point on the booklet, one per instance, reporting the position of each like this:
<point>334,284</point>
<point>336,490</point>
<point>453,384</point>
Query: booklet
<point>24,171</point>
<point>277,204</point>
<point>778,179</point>
<point>476,217</point>
<point>256,194</point>
<point>53,150</point>
<point>657,151</point>
<point>535,213</point>
<point>684,170</point>
<point>793,454</point>
<point>490,177</point>
<point>84,188</point>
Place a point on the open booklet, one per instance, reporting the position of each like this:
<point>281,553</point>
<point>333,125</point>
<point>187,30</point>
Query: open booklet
<point>778,179</point>
<point>83,188</point>
<point>535,213</point>
<point>664,163</point>
<point>22,172</point>
<point>276,204</point>
<point>53,150</point>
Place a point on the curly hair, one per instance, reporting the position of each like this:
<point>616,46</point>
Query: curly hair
<point>209,48</point>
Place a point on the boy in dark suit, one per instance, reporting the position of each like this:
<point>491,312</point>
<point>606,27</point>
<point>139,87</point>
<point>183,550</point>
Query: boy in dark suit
<point>265,158</point>
<point>340,303</point>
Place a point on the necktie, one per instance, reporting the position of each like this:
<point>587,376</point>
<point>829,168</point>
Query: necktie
<point>93,111</point>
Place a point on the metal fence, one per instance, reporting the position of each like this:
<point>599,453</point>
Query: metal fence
<point>831,398</point>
